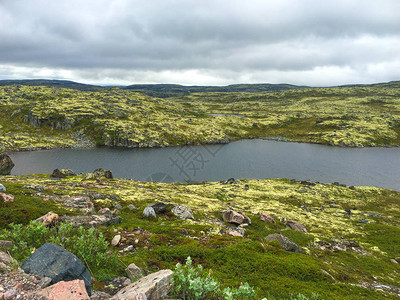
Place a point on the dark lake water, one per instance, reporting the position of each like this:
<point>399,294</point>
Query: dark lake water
<point>242,159</point>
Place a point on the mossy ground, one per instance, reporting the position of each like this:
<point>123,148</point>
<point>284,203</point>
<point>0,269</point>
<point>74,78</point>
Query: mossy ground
<point>277,274</point>
<point>343,116</point>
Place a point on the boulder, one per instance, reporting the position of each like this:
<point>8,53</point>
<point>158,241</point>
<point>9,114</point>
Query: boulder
<point>133,272</point>
<point>62,173</point>
<point>6,197</point>
<point>295,225</point>
<point>286,243</point>
<point>266,218</point>
<point>159,207</point>
<point>2,188</point>
<point>182,212</point>
<point>53,261</point>
<point>6,164</point>
<point>234,217</point>
<point>49,219</point>
<point>149,212</point>
<point>152,287</point>
<point>65,290</point>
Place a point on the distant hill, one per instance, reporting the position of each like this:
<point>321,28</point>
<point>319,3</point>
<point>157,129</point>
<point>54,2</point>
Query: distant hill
<point>390,84</point>
<point>54,83</point>
<point>169,90</point>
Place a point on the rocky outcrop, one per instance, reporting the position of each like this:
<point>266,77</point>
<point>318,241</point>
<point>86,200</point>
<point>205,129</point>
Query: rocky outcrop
<point>62,173</point>
<point>234,217</point>
<point>59,123</point>
<point>65,290</point>
<point>295,226</point>
<point>92,221</point>
<point>53,261</point>
<point>285,242</point>
<point>152,287</point>
<point>6,164</point>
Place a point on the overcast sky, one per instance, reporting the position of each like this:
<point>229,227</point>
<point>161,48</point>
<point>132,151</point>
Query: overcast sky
<point>201,42</point>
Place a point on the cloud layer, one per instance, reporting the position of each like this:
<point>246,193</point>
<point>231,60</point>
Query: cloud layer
<point>309,42</point>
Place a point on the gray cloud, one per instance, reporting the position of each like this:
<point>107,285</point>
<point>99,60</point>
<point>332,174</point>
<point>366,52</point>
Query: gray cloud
<point>215,42</point>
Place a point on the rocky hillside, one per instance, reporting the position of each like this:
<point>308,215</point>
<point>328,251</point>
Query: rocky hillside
<point>34,117</point>
<point>283,237</point>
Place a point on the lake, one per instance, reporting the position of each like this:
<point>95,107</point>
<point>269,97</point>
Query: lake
<point>254,159</point>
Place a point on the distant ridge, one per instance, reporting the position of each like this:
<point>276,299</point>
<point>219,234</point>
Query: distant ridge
<point>55,83</point>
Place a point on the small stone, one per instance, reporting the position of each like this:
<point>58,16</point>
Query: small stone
<point>133,272</point>
<point>234,217</point>
<point>104,211</point>
<point>394,261</point>
<point>285,242</point>
<point>2,188</point>
<point>295,225</point>
<point>49,219</point>
<point>363,221</point>
<point>118,206</point>
<point>131,207</point>
<point>115,241</point>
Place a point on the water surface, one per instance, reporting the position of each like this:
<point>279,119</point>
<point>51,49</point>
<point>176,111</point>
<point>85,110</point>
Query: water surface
<point>242,159</point>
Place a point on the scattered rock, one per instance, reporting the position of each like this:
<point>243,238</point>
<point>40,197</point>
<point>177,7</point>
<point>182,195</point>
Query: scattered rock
<point>295,225</point>
<point>246,187</point>
<point>363,221</point>
<point>6,197</point>
<point>341,244</point>
<point>6,262</point>
<point>182,212</point>
<point>80,203</point>
<point>113,286</point>
<point>266,218</point>
<point>152,287</point>
<point>229,181</point>
<point>98,295</point>
<point>394,261</point>
<point>234,217</point>
<point>62,173</point>
<point>285,242</point>
<point>307,183</point>
<point>397,259</point>
<point>149,212</point>
<point>104,211</point>
<point>49,219</point>
<point>116,239</point>
<point>37,188</point>
<point>118,206</point>
<point>2,188</point>
<point>55,262</point>
<point>92,221</point>
<point>6,164</point>
<point>65,290</point>
<point>133,272</point>
<point>131,207</point>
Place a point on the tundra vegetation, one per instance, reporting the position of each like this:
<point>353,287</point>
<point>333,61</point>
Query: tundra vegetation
<point>42,117</point>
<point>352,244</point>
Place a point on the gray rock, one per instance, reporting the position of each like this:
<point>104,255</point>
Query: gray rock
<point>37,188</point>
<point>286,243</point>
<point>234,217</point>
<point>118,206</point>
<point>2,188</point>
<point>116,239</point>
<point>149,212</point>
<point>92,221</point>
<point>62,173</point>
<point>182,212</point>
<point>6,164</point>
<point>159,207</point>
<point>152,287</point>
<point>295,225</point>
<point>133,272</point>
<point>131,207</point>
<point>53,261</point>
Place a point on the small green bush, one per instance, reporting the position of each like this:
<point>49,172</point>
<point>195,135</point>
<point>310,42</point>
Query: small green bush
<point>190,283</point>
<point>91,247</point>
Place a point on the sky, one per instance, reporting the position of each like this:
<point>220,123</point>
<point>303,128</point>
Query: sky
<point>201,42</point>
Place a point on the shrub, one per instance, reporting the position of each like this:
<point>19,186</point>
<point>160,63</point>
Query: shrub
<point>91,247</point>
<point>191,283</point>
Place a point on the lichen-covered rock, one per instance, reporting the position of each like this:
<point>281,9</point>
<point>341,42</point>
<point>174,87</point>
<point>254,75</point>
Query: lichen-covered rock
<point>285,242</point>
<point>6,164</point>
<point>182,212</point>
<point>133,272</point>
<point>55,262</point>
<point>49,219</point>
<point>152,287</point>
<point>295,226</point>
<point>234,217</point>
<point>6,197</point>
